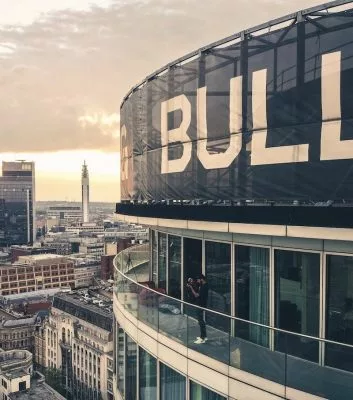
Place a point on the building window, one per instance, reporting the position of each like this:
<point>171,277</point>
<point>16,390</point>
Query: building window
<point>130,368</point>
<point>192,260</point>
<point>147,375</point>
<point>252,292</point>
<point>198,392</point>
<point>162,260</point>
<point>172,384</point>
<point>218,274</point>
<point>339,311</point>
<point>297,286</point>
<point>174,265</point>
<point>154,256</point>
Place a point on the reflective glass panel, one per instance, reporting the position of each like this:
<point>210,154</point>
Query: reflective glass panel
<point>192,263</point>
<point>198,392</point>
<point>297,308</point>
<point>148,376</point>
<point>218,274</point>
<point>339,311</point>
<point>162,260</point>
<point>174,264</point>
<point>172,384</point>
<point>252,292</point>
<point>130,368</point>
<point>154,256</point>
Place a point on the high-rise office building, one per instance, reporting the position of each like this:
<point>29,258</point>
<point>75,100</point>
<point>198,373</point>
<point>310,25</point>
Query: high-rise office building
<point>17,195</point>
<point>85,193</point>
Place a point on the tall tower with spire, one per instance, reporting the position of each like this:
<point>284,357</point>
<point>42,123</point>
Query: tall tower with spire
<point>85,193</point>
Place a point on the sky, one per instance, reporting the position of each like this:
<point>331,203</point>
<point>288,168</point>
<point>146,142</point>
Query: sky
<point>65,66</point>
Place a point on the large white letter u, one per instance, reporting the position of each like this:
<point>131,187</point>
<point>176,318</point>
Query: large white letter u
<point>221,159</point>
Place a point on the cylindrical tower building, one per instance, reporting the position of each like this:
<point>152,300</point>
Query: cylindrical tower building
<point>85,193</point>
<point>239,158</point>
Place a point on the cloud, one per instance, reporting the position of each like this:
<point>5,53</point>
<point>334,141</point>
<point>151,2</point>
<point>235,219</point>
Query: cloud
<point>63,76</point>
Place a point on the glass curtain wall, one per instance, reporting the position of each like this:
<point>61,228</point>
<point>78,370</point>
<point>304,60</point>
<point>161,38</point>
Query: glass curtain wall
<point>162,260</point>
<point>147,376</point>
<point>252,292</point>
<point>154,277</point>
<point>218,274</point>
<point>130,368</point>
<point>174,265</point>
<point>339,310</point>
<point>198,392</point>
<point>297,286</point>
<point>172,384</point>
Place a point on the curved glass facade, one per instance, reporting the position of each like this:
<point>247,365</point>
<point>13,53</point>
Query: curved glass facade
<point>287,301</point>
<point>232,158</point>
<point>153,379</point>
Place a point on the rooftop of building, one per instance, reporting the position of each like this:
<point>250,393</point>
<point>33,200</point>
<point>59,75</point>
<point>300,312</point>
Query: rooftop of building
<point>38,294</point>
<point>40,257</point>
<point>75,305</point>
<point>10,359</point>
<point>18,323</point>
<point>67,208</point>
<point>4,315</point>
<point>27,248</point>
<point>39,391</point>
<point>15,374</point>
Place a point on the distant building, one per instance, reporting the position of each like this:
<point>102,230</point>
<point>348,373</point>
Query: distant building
<point>96,250</point>
<point>86,228</point>
<point>111,250</point>
<point>39,390</point>
<point>84,275</point>
<point>18,333</point>
<point>61,243</point>
<point>17,251</point>
<point>78,340</point>
<point>107,267</point>
<point>15,372</point>
<point>17,203</point>
<point>85,193</point>
<point>128,231</point>
<point>40,346</point>
<point>2,221</point>
<point>35,272</point>
<point>63,216</point>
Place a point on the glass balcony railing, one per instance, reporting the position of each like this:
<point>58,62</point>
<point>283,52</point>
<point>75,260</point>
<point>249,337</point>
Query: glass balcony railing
<point>290,359</point>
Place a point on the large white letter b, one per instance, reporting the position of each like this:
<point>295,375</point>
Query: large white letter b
<point>175,135</point>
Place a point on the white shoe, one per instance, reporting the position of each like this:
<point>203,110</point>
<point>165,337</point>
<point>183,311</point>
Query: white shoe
<point>200,341</point>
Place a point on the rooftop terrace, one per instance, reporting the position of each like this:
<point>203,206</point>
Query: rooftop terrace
<point>39,391</point>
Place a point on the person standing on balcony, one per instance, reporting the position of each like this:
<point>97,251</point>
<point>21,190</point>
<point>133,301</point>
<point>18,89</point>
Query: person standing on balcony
<point>201,297</point>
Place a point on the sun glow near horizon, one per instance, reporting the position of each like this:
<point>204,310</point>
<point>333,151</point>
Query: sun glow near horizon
<point>58,174</point>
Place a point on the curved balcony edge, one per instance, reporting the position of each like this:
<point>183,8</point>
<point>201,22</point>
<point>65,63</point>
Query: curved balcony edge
<point>239,354</point>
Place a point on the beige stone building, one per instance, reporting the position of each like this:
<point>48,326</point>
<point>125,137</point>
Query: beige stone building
<point>36,272</point>
<point>18,333</point>
<point>15,372</point>
<point>77,339</point>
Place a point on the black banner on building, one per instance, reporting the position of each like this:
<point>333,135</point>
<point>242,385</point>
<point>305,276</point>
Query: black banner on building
<point>270,117</point>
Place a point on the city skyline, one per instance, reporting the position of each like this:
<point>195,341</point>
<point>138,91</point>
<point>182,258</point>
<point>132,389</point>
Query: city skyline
<point>65,69</point>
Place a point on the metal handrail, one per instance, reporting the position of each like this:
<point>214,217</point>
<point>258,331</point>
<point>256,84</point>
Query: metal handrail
<point>297,17</point>
<point>231,317</point>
